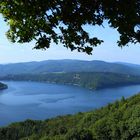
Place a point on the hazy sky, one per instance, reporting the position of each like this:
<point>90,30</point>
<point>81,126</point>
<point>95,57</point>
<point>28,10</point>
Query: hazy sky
<point>108,51</point>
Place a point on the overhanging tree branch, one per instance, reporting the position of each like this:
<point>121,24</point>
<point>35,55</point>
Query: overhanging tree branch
<point>31,19</point>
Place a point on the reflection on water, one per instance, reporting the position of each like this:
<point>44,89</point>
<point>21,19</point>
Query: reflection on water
<point>33,100</point>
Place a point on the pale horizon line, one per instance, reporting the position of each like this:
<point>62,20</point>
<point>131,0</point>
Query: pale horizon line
<point>37,61</point>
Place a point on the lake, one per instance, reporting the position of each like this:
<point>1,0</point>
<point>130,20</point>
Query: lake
<point>34,100</point>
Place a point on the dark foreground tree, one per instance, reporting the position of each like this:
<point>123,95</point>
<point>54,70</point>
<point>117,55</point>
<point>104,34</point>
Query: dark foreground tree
<point>62,21</point>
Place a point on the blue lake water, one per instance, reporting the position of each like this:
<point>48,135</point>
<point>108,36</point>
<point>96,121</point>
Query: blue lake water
<point>34,100</point>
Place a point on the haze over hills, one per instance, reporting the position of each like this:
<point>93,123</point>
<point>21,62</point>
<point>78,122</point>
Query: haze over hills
<point>51,66</point>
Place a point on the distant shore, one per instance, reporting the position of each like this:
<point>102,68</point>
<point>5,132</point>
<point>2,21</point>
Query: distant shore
<point>3,86</point>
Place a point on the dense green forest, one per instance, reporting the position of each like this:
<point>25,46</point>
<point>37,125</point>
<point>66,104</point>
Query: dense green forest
<point>3,86</point>
<point>117,121</point>
<point>91,80</point>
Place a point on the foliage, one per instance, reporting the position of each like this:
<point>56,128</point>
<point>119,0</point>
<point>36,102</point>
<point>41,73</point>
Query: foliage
<point>117,121</point>
<point>62,21</point>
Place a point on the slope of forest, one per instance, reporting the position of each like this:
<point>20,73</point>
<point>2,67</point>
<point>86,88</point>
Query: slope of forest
<point>91,80</point>
<point>117,121</point>
<point>50,66</point>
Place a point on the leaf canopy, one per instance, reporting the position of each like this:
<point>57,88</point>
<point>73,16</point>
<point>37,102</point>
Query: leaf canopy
<point>62,21</point>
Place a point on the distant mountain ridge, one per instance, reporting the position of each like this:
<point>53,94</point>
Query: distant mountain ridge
<point>67,65</point>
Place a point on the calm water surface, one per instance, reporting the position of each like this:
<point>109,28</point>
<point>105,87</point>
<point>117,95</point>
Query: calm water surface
<point>34,100</point>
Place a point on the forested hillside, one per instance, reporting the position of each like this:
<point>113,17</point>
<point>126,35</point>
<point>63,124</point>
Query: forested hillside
<point>91,80</point>
<point>117,121</point>
<point>50,66</point>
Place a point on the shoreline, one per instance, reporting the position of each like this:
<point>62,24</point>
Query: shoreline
<point>3,86</point>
